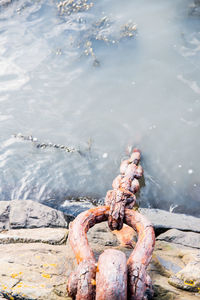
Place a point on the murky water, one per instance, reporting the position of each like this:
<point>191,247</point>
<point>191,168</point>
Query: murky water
<point>142,90</point>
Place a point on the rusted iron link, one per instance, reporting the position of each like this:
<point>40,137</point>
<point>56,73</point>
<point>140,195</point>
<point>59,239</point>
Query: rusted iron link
<point>81,284</point>
<point>139,282</point>
<point>111,276</point>
<point>124,186</point>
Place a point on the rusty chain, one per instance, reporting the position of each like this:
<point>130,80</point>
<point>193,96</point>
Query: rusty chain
<point>113,278</point>
<point>125,186</point>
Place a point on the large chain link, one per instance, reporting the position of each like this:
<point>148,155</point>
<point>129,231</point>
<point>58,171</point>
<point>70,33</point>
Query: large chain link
<point>125,186</point>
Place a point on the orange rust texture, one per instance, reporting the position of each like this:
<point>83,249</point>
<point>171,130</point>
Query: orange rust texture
<point>126,236</point>
<point>124,186</point>
<point>111,280</point>
<point>139,283</point>
<point>78,232</point>
<point>80,284</point>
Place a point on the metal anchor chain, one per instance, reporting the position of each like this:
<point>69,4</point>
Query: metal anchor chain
<point>124,186</point>
<point>95,281</point>
<point>112,278</point>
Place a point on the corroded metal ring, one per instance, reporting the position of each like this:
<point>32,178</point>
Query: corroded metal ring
<point>84,284</point>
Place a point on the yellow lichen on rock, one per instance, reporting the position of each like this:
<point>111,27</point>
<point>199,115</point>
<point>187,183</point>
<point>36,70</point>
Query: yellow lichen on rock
<point>46,276</point>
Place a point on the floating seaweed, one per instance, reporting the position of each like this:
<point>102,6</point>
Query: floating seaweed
<point>41,145</point>
<point>74,6</point>
<point>99,30</point>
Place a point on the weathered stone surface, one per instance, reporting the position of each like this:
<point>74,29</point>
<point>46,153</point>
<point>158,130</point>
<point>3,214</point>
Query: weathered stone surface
<point>31,271</point>
<point>29,214</point>
<point>166,259</point>
<point>188,278</point>
<point>163,220</point>
<point>4,214</point>
<point>161,293</point>
<point>40,271</point>
<point>165,266</point>
<point>100,234</point>
<point>127,236</point>
<point>195,8</point>
<point>190,239</point>
<point>53,236</point>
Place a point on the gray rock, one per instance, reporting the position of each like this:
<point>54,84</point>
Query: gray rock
<point>32,271</point>
<point>163,220</point>
<point>4,214</point>
<point>188,278</point>
<point>194,9</point>
<point>166,265</point>
<point>29,214</point>
<point>161,293</point>
<point>40,271</point>
<point>190,239</point>
<point>101,234</point>
<point>52,236</point>
<point>169,260</point>
<point>72,208</point>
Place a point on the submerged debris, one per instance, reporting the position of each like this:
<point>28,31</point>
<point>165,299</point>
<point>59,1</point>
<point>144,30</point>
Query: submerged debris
<point>102,29</point>
<point>128,30</point>
<point>38,144</point>
<point>91,29</point>
<point>74,6</point>
<point>5,2</point>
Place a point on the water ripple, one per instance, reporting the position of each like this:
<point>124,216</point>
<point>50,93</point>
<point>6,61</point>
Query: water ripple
<point>49,88</point>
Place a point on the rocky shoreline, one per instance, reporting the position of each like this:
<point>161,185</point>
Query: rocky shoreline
<point>36,259</point>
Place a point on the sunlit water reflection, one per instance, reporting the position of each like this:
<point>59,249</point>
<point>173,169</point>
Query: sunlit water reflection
<point>145,92</point>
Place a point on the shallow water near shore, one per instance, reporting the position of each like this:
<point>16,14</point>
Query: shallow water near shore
<point>142,90</point>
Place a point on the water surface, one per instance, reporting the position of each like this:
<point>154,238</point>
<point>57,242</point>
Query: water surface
<point>144,92</point>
